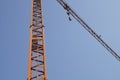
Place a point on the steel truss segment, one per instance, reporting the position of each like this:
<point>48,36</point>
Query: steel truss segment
<point>37,57</point>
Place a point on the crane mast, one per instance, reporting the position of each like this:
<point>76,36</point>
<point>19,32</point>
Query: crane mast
<point>89,29</point>
<point>37,53</point>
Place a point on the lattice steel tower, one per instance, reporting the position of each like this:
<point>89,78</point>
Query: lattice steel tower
<point>37,53</point>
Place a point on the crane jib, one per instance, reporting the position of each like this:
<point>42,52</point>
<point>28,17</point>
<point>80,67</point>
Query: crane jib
<point>93,33</point>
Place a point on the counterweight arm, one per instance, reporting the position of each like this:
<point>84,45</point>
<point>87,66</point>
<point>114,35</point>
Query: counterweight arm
<point>94,34</point>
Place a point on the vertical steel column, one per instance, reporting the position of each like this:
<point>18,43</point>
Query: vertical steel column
<point>37,54</point>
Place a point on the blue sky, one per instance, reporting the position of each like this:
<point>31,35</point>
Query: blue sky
<point>72,53</point>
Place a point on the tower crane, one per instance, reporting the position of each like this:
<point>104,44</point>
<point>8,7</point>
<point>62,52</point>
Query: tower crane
<point>89,29</point>
<point>37,69</point>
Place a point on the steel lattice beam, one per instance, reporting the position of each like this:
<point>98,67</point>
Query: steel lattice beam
<point>37,54</point>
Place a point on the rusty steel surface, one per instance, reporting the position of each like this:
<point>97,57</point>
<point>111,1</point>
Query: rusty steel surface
<point>37,54</point>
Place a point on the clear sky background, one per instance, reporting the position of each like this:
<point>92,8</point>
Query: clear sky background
<point>72,53</point>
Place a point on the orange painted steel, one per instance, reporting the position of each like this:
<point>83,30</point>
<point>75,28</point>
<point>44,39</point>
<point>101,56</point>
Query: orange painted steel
<point>37,55</point>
